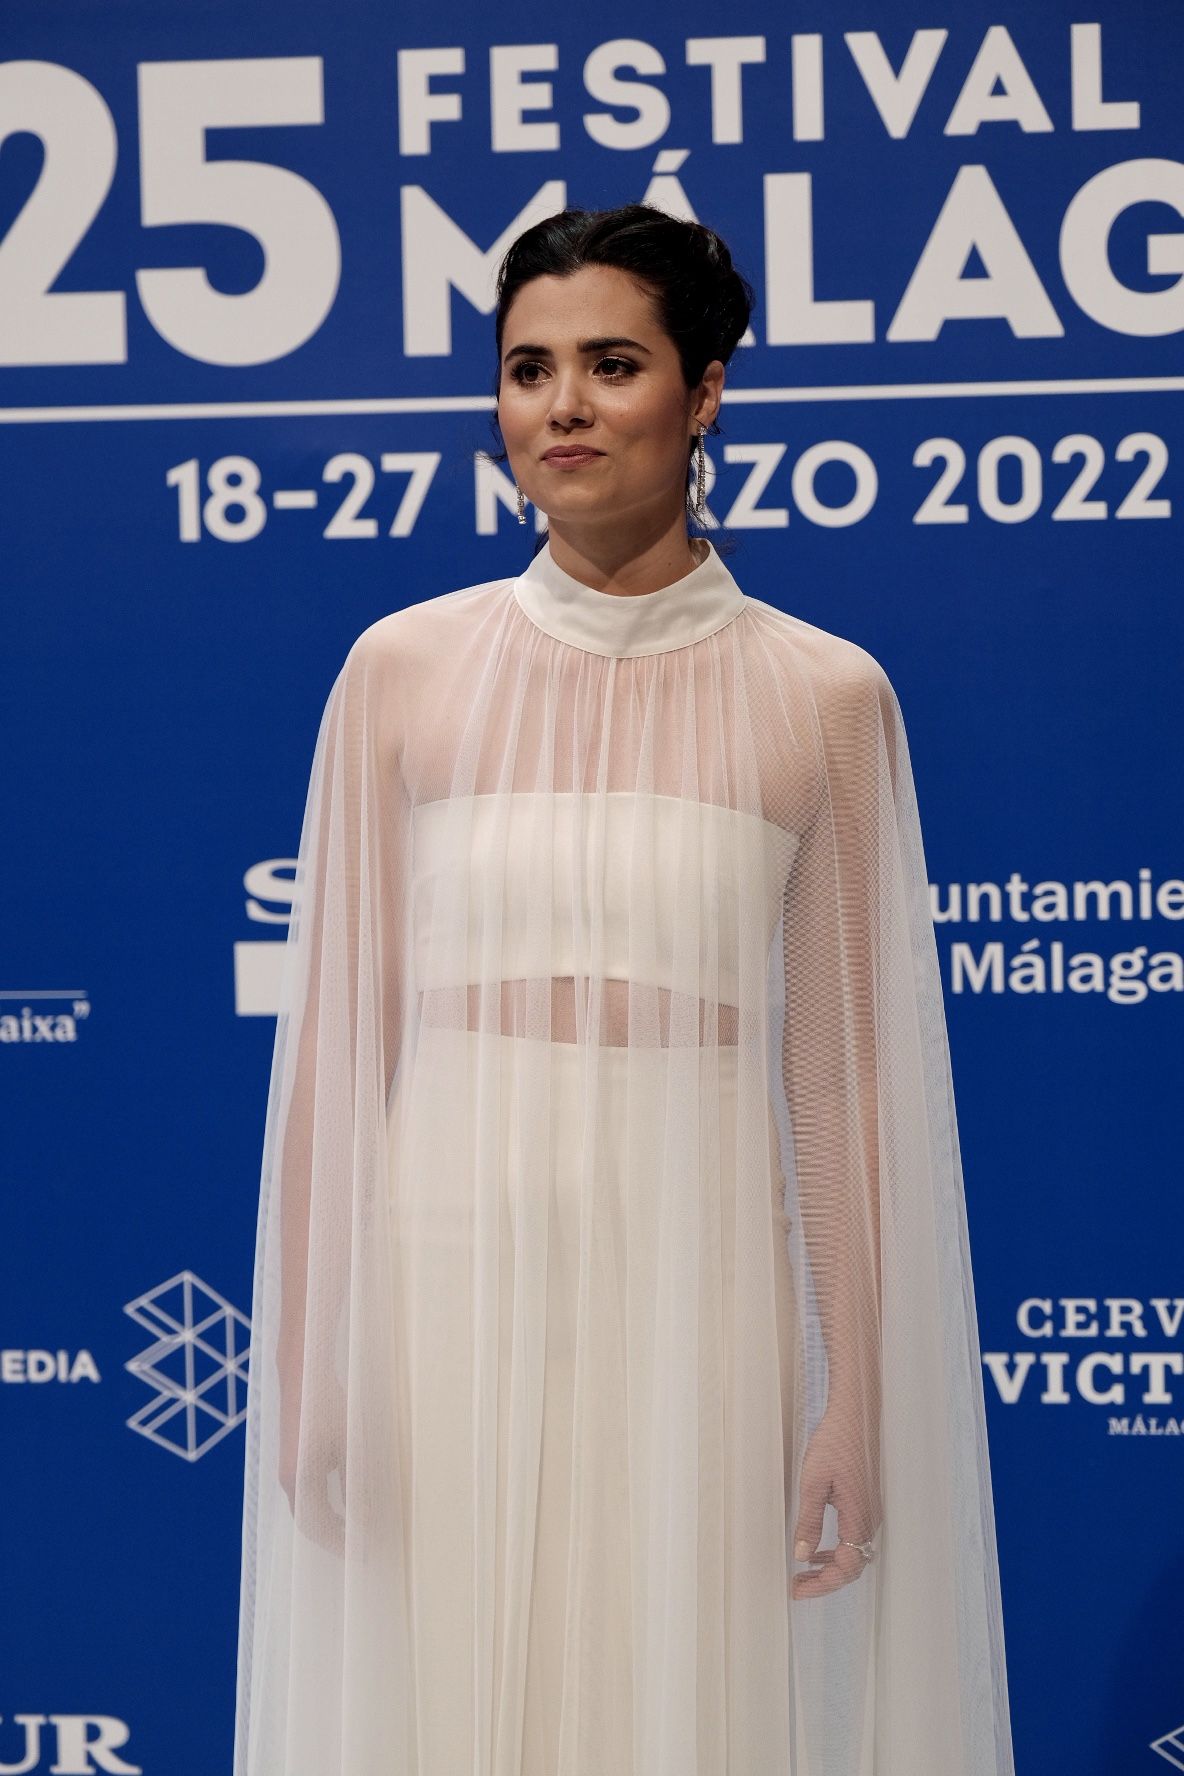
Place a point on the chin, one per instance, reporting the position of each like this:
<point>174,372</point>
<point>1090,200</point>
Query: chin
<point>602,505</point>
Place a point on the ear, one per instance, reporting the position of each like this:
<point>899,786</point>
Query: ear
<point>708,394</point>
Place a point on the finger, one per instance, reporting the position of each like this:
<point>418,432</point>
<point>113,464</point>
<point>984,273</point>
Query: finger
<point>818,1584</point>
<point>838,1566</point>
<point>808,1533</point>
<point>836,1560</point>
<point>826,1555</point>
<point>808,1585</point>
<point>856,1522</point>
<point>811,1511</point>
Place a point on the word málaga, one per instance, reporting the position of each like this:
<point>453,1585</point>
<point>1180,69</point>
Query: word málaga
<point>1038,964</point>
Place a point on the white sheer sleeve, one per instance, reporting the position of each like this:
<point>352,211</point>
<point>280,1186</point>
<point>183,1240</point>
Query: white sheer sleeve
<point>829,1054</point>
<point>322,1463</point>
<point>895,1439</point>
<point>346,1015</point>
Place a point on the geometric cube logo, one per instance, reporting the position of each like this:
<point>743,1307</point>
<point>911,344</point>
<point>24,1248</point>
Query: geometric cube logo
<point>1171,1747</point>
<point>196,1365</point>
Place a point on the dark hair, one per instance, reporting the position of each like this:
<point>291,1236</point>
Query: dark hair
<point>702,302</point>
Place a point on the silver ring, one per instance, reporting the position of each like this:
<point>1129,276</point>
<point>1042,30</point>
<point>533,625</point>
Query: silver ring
<point>867,1549</point>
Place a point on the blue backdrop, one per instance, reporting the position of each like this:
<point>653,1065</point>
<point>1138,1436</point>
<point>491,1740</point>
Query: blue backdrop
<point>246,355</point>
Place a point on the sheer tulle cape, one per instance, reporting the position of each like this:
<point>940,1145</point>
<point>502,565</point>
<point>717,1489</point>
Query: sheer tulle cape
<point>612,1221</point>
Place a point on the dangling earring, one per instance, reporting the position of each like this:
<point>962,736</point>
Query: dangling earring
<point>521,504</point>
<point>700,476</point>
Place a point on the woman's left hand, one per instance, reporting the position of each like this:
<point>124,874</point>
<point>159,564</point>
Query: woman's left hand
<point>840,1467</point>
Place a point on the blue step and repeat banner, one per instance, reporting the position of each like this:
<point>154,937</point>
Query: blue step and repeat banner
<point>246,363</point>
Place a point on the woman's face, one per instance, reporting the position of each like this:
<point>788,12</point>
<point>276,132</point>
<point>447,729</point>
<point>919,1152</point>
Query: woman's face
<point>586,364</point>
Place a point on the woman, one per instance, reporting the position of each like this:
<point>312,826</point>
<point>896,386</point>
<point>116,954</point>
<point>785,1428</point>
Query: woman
<point>616,1406</point>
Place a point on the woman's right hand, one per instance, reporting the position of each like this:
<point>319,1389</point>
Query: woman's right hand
<point>312,1470</point>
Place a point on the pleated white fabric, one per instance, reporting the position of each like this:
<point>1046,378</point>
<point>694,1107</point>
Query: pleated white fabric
<point>612,1219</point>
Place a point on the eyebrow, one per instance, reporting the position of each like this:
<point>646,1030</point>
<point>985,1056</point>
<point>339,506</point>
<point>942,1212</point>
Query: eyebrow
<point>583,345</point>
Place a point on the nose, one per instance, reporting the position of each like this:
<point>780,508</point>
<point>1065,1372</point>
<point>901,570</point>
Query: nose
<point>570,405</point>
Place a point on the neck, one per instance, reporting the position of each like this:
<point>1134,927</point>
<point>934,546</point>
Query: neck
<point>628,563</point>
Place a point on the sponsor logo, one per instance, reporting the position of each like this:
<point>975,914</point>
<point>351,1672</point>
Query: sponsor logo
<point>1049,962</point>
<point>196,1365</point>
<point>43,1365</point>
<point>1130,1375</point>
<point>42,1014</point>
<point>1171,1747</point>
<point>66,1744</point>
<point>258,964</point>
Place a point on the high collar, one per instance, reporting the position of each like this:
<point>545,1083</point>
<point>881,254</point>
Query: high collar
<point>630,623</point>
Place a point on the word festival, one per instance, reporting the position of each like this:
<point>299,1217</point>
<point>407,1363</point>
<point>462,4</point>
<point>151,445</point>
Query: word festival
<point>997,87</point>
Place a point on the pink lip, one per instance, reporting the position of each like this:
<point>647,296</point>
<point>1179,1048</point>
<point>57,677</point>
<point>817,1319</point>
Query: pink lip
<point>571,459</point>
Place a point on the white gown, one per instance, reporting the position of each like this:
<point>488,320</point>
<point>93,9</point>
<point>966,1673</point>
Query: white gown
<point>611,1219</point>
